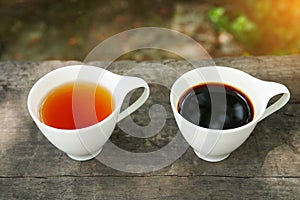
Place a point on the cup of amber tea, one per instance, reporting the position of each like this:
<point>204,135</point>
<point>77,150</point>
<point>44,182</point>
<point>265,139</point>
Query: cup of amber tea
<point>77,107</point>
<point>216,108</point>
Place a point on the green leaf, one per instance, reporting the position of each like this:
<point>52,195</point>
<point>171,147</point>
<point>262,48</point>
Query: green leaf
<point>218,18</point>
<point>215,14</point>
<point>242,24</point>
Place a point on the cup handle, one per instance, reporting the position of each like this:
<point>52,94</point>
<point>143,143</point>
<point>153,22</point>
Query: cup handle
<point>129,84</point>
<point>274,89</point>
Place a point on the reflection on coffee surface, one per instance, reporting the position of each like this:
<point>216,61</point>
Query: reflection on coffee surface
<point>216,106</point>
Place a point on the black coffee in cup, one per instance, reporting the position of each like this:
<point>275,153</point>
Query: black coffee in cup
<point>216,106</point>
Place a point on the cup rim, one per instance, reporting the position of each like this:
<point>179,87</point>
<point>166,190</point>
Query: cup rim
<point>66,131</point>
<point>175,110</point>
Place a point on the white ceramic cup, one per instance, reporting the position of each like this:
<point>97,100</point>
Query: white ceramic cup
<point>216,145</point>
<point>85,143</point>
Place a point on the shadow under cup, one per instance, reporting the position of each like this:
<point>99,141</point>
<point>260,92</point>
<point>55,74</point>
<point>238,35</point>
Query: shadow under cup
<point>209,134</point>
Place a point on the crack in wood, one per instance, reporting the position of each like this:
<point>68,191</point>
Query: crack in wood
<point>151,176</point>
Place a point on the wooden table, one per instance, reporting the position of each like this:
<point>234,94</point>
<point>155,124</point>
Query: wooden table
<point>266,166</point>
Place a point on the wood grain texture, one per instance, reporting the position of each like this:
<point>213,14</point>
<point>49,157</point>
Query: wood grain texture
<point>266,166</point>
<point>154,187</point>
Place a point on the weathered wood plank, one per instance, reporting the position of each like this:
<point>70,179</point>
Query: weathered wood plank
<point>157,187</point>
<point>271,147</point>
<point>266,166</point>
<point>24,150</point>
<point>22,75</point>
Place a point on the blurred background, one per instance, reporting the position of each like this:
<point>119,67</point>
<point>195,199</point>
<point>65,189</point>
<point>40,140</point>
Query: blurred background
<point>70,29</point>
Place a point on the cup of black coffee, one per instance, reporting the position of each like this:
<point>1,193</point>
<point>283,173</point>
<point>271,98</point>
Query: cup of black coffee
<point>216,108</point>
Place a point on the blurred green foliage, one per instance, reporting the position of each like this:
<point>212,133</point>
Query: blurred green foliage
<point>263,26</point>
<point>241,27</point>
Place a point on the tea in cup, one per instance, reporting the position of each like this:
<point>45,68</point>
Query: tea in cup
<point>77,107</point>
<point>216,108</point>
